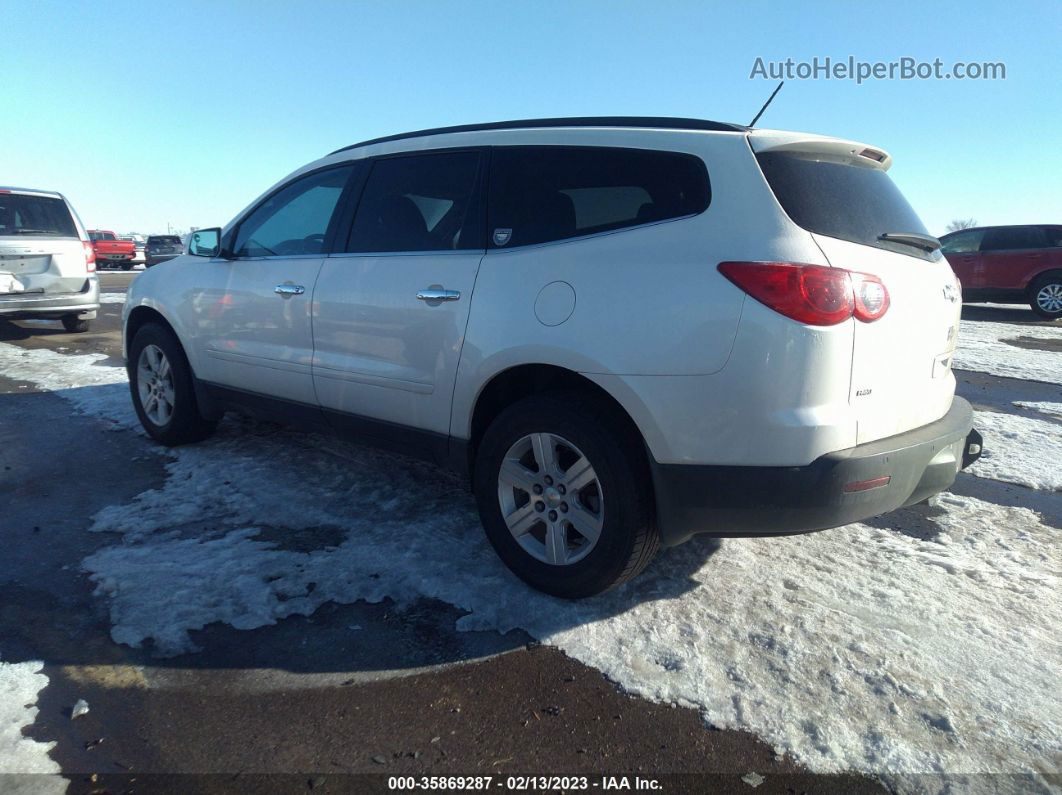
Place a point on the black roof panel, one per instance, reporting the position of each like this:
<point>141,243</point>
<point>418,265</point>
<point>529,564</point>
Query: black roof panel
<point>665,122</point>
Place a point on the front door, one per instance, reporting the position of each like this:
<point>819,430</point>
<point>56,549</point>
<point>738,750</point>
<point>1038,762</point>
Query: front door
<point>255,309</point>
<point>390,312</point>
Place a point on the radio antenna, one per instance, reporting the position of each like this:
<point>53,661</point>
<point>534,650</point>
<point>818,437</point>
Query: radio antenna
<point>765,104</point>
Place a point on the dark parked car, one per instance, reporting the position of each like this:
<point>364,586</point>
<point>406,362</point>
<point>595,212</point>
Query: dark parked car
<point>160,248</point>
<point>1009,264</point>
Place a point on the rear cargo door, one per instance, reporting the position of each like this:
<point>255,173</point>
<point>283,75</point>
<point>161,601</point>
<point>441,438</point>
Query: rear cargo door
<point>40,249</point>
<point>901,363</point>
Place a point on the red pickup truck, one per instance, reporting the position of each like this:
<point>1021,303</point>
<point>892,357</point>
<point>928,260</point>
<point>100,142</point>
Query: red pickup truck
<point>110,250</point>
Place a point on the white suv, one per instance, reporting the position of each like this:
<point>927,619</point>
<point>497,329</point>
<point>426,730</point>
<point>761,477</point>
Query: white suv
<point>625,330</point>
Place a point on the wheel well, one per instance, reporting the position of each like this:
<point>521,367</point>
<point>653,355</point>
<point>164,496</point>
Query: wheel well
<point>140,316</point>
<point>517,383</point>
<point>1055,273</point>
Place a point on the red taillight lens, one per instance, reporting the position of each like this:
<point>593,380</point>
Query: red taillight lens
<point>871,297</point>
<point>811,294</point>
<point>90,256</point>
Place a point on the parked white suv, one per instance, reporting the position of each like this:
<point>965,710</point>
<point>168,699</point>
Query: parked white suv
<point>626,330</point>
<point>47,264</point>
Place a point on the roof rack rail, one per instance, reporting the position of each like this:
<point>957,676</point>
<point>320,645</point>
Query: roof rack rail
<point>665,122</point>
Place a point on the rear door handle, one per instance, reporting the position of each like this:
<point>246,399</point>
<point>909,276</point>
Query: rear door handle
<point>434,294</point>
<point>287,290</point>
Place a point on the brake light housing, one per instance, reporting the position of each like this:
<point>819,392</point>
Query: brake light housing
<point>815,295</point>
<point>90,256</point>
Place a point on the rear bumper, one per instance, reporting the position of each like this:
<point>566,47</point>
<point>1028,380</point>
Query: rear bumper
<point>838,488</point>
<point>51,305</point>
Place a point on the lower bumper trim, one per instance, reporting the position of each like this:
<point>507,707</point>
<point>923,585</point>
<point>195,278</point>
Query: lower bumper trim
<point>738,501</point>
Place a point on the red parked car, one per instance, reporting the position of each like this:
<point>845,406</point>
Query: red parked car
<point>1009,265</point>
<point>112,251</point>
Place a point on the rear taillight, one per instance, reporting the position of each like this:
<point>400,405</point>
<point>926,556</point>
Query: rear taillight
<point>811,294</point>
<point>90,256</point>
<point>871,297</point>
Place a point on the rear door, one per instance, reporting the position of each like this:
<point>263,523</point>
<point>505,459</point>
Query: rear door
<point>390,311</point>
<point>901,363</point>
<point>1011,255</point>
<point>41,246</point>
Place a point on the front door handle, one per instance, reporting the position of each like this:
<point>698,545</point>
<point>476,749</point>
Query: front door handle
<point>434,294</point>
<point>287,290</point>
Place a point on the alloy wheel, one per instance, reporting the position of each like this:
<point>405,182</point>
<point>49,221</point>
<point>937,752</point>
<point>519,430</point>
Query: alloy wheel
<point>154,381</point>
<point>551,499</point>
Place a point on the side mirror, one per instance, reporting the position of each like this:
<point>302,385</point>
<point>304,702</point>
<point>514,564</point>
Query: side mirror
<point>205,242</point>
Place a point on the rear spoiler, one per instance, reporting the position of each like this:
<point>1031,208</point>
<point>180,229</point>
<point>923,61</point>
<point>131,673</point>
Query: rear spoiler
<point>819,147</point>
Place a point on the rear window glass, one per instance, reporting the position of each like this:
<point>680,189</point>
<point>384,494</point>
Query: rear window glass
<point>853,203</point>
<point>544,193</point>
<point>101,235</point>
<point>164,240</point>
<point>35,216</point>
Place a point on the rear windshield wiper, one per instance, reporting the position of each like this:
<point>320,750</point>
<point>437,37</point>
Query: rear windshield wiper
<point>924,242</point>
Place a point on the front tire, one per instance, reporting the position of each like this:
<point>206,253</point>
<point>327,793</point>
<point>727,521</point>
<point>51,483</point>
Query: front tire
<point>564,494</point>
<point>160,381</point>
<point>1045,295</point>
<point>74,324</point>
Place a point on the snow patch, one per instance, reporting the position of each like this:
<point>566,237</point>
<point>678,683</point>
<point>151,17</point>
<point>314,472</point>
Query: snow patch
<point>982,348</point>
<point>1020,450</point>
<point>20,755</point>
<point>1044,407</point>
<point>94,388</point>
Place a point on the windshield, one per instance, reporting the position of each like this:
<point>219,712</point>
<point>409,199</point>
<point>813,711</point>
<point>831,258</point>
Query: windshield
<point>853,203</point>
<point>39,216</point>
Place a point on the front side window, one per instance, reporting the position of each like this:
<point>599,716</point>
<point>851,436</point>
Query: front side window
<point>295,219</point>
<point>540,194</point>
<point>419,203</point>
<point>967,241</point>
<point>1010,238</point>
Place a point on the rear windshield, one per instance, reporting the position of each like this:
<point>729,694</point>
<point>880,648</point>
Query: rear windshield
<point>164,240</point>
<point>35,216</point>
<point>101,235</point>
<point>852,203</point>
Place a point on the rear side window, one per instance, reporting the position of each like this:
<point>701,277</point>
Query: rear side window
<point>420,203</point>
<point>35,216</point>
<point>853,203</point>
<point>1010,238</point>
<point>543,193</point>
<point>967,241</point>
<point>1054,236</point>
<point>295,219</point>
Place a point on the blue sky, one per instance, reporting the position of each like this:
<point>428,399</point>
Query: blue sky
<point>147,114</point>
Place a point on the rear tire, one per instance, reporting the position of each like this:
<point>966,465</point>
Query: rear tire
<point>74,324</point>
<point>550,514</point>
<point>127,266</point>
<point>1045,295</point>
<point>162,388</point>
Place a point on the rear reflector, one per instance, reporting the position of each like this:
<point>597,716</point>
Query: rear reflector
<point>811,294</point>
<point>867,485</point>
